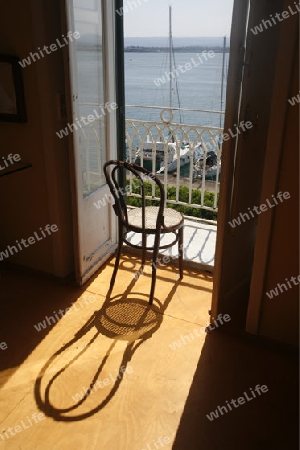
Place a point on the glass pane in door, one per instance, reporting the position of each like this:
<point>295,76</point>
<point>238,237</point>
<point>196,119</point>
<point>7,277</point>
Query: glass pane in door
<point>90,72</point>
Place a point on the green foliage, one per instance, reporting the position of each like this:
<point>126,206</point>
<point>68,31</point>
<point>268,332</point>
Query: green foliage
<point>209,198</point>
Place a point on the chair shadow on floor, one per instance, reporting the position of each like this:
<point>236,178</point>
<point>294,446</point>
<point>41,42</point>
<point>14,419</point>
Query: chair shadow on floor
<point>126,322</point>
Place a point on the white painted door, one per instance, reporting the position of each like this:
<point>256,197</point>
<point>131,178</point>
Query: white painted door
<point>93,128</point>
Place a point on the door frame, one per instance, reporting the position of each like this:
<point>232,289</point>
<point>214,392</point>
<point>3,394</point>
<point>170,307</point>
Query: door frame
<point>233,103</point>
<point>284,70</point>
<point>120,82</point>
<point>250,289</point>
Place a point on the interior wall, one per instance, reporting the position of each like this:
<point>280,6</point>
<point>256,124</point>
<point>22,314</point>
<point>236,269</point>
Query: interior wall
<point>40,195</point>
<point>280,315</point>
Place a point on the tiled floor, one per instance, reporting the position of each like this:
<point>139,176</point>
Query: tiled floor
<point>174,374</point>
<point>199,244</point>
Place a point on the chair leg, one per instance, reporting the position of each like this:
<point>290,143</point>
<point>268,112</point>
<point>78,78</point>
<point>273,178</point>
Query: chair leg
<point>155,253</point>
<point>180,252</point>
<point>144,244</point>
<point>118,255</point>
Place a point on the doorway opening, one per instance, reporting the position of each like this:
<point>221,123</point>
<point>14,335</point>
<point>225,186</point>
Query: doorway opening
<point>175,100</point>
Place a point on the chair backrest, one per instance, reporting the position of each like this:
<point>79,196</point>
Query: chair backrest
<point>112,171</point>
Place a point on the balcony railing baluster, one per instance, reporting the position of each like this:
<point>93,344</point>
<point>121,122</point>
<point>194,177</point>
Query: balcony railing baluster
<point>162,134</point>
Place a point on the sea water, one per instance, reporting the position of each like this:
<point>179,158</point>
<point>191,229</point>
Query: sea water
<point>198,88</point>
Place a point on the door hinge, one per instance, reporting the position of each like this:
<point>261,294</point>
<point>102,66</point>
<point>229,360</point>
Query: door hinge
<point>62,106</point>
<point>242,63</point>
<point>241,57</point>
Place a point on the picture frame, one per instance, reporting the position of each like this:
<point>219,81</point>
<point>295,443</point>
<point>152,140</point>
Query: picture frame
<point>12,99</point>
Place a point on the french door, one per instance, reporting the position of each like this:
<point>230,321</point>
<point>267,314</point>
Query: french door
<point>93,129</point>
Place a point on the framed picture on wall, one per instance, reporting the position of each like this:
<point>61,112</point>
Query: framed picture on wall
<point>12,101</point>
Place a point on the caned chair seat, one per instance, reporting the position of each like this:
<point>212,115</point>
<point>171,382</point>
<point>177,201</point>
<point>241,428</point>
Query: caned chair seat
<point>146,220</point>
<point>172,219</point>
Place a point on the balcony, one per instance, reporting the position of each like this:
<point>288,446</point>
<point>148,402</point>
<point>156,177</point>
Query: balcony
<point>185,156</point>
<point>192,154</point>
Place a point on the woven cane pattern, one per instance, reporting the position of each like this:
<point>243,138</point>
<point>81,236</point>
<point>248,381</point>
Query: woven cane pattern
<point>172,218</point>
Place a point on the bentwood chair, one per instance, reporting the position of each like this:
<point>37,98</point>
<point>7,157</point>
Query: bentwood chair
<point>146,220</point>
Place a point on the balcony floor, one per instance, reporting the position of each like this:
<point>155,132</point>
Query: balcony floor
<point>199,244</point>
<point>175,373</point>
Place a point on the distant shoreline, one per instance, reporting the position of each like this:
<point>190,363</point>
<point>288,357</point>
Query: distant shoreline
<point>189,49</point>
<point>140,49</point>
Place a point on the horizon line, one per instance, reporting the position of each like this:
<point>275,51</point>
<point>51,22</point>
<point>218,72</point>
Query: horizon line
<point>176,37</point>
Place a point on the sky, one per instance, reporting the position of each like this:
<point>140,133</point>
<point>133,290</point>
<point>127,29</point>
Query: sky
<point>191,18</point>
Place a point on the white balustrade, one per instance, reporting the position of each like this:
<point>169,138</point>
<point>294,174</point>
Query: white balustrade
<point>160,144</point>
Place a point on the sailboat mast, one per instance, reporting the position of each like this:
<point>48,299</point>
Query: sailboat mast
<point>222,83</point>
<point>170,50</point>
